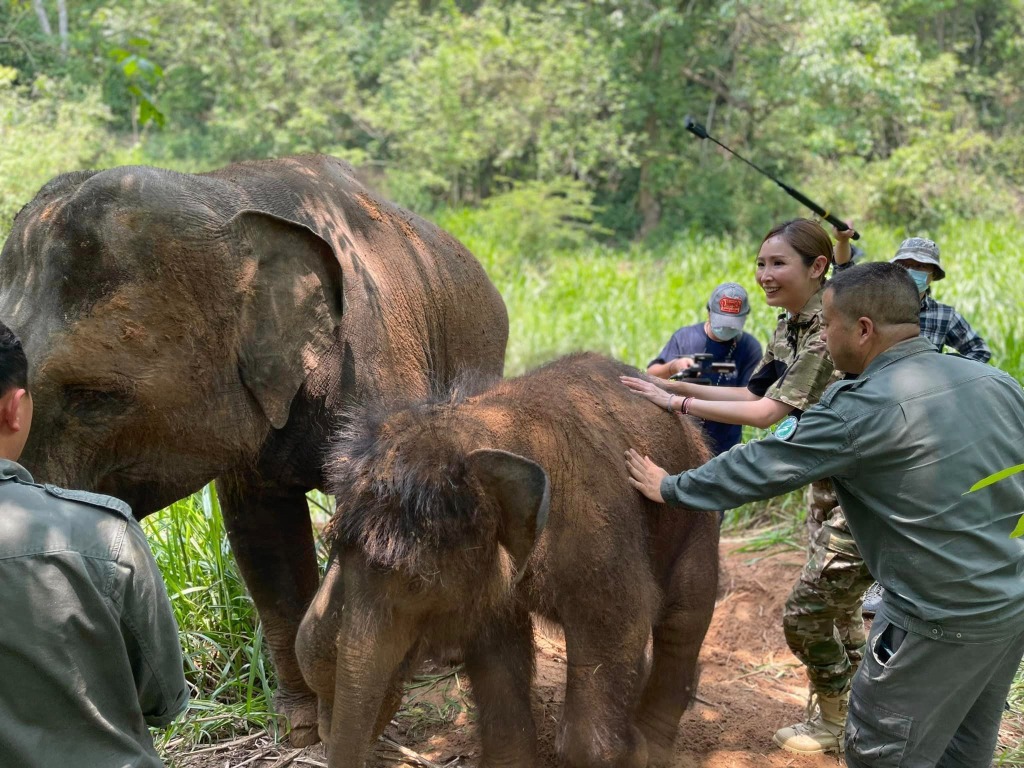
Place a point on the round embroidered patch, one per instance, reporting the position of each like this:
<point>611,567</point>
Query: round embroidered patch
<point>786,428</point>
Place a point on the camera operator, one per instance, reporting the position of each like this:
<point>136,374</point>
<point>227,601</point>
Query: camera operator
<point>716,352</point>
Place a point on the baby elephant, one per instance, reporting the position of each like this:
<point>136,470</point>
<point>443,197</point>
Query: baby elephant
<point>457,519</point>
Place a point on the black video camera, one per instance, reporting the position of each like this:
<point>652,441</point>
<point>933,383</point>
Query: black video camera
<point>702,369</point>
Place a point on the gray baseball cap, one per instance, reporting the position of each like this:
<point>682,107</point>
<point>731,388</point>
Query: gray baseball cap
<point>923,250</point>
<point>728,306</point>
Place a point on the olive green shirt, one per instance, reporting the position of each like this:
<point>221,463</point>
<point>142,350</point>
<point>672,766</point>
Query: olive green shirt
<point>89,651</point>
<point>903,443</point>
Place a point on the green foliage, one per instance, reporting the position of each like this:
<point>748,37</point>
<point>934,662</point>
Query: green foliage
<point>533,131</point>
<point>902,115</point>
<point>73,138</point>
<point>141,76</point>
<point>226,663</point>
<point>627,301</point>
<point>221,639</point>
<point>532,218</point>
<point>1018,531</point>
<point>938,178</point>
<point>996,477</point>
<point>510,90</point>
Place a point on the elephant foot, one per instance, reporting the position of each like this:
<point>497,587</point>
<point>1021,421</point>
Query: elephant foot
<point>660,738</point>
<point>658,756</point>
<point>304,736</point>
<point>301,711</point>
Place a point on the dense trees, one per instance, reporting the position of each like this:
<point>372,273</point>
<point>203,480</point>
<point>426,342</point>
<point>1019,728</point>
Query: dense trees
<point>899,111</point>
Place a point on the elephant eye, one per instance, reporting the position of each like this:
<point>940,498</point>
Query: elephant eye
<point>95,400</point>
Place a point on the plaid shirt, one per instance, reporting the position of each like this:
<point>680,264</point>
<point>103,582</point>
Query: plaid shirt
<point>944,326</point>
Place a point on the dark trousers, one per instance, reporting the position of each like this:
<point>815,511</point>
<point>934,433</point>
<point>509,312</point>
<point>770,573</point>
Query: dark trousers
<point>918,702</point>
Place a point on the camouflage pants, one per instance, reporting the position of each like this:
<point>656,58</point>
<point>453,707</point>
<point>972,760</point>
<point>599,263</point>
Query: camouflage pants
<point>822,618</point>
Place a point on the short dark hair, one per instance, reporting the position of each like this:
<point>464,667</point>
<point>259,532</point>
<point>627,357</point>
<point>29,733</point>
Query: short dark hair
<point>13,363</point>
<point>882,291</point>
<point>806,237</point>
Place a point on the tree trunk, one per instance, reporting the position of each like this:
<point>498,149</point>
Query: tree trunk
<point>62,25</point>
<point>44,21</point>
<point>647,202</point>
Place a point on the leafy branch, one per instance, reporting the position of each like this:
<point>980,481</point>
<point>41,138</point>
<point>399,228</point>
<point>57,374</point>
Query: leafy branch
<point>142,76</point>
<point>995,478</point>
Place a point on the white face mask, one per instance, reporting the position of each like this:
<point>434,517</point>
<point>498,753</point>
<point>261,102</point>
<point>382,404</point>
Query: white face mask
<point>724,333</point>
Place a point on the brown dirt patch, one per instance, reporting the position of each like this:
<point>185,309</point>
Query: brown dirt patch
<point>750,686</point>
<point>369,205</point>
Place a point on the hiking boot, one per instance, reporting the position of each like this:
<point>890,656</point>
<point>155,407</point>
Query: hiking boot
<point>872,600</point>
<point>821,731</point>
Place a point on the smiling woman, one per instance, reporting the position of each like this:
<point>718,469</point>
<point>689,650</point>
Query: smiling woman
<point>791,266</point>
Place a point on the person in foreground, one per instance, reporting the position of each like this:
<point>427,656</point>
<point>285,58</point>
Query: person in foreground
<point>903,442</point>
<point>940,323</point>
<point>88,641</point>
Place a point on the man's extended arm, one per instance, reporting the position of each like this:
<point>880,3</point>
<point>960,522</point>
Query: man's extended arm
<point>821,446</point>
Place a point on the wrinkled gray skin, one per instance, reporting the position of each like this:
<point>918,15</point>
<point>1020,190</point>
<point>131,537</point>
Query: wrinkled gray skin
<point>459,518</point>
<point>186,328</point>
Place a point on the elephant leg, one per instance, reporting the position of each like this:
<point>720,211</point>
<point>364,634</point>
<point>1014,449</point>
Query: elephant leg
<point>689,602</point>
<point>272,540</point>
<point>500,666</point>
<point>606,667</point>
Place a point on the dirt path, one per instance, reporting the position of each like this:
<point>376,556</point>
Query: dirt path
<point>750,685</point>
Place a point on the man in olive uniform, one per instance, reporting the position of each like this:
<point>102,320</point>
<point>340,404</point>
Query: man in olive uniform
<point>89,645</point>
<point>903,443</point>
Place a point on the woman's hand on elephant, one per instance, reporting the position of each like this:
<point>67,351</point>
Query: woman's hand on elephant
<point>645,475</point>
<point>648,389</point>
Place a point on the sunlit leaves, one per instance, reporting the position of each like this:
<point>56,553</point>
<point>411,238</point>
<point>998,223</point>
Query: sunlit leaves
<point>995,478</point>
<point>141,75</point>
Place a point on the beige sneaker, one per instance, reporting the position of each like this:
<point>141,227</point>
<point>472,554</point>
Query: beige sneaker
<point>823,729</point>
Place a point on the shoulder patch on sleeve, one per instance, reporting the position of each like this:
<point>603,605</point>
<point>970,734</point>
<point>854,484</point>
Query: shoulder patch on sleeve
<point>92,499</point>
<point>786,428</point>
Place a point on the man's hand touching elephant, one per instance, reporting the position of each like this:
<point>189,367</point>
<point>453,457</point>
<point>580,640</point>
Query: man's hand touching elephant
<point>645,475</point>
<point>650,390</point>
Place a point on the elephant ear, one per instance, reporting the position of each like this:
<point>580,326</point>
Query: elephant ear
<point>523,493</point>
<point>292,304</point>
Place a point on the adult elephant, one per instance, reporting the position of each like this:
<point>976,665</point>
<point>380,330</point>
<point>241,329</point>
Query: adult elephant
<point>185,328</point>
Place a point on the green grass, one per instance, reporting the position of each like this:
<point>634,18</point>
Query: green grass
<point>627,302</point>
<point>221,638</point>
<point>433,701</point>
<point>226,666</point>
<point>623,302</point>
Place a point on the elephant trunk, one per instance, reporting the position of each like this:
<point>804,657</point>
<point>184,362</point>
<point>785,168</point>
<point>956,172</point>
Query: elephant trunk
<point>372,661</point>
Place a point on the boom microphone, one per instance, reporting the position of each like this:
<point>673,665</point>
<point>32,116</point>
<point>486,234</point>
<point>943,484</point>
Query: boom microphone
<point>701,132</point>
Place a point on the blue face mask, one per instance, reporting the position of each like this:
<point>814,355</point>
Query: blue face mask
<point>920,279</point>
<point>724,333</point>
